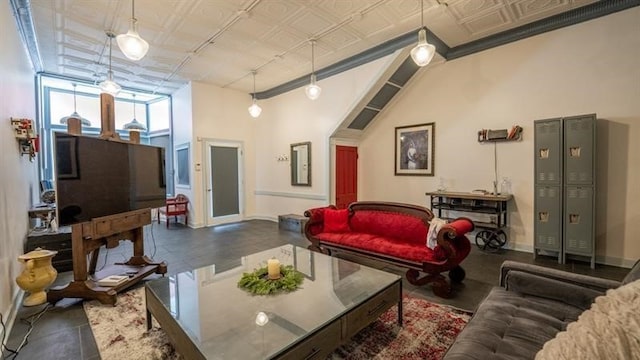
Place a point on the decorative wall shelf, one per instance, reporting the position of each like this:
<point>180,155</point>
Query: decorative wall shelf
<point>488,135</point>
<point>25,134</point>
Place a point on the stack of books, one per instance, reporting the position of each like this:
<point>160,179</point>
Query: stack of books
<point>112,280</point>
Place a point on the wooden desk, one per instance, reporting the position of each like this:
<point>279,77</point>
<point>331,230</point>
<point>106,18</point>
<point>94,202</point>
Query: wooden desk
<point>493,237</point>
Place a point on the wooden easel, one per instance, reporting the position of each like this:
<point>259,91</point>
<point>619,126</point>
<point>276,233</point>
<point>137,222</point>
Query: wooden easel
<point>88,237</point>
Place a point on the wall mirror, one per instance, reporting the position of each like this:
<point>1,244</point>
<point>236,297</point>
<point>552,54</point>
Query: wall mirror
<point>301,164</point>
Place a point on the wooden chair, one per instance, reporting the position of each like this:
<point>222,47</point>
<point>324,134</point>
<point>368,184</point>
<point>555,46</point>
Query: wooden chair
<point>178,205</point>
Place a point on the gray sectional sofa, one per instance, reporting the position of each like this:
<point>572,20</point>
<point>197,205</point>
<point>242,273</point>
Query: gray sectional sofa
<point>530,307</point>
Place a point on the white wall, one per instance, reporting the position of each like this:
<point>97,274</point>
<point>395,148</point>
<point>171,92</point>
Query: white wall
<point>293,118</point>
<point>587,68</point>
<point>220,114</point>
<point>18,176</point>
<point>182,117</point>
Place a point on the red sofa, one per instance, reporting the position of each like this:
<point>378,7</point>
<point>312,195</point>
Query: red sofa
<point>394,233</point>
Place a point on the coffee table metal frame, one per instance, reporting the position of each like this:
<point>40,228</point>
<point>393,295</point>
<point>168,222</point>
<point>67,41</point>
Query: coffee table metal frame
<point>314,344</point>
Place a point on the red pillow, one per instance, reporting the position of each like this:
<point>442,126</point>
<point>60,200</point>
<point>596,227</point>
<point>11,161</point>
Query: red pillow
<point>336,221</point>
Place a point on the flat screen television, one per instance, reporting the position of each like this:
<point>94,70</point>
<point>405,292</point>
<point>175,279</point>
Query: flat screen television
<point>96,177</point>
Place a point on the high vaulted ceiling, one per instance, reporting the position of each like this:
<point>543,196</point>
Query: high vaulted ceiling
<point>221,41</point>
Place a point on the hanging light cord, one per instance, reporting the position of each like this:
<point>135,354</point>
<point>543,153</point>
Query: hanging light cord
<point>133,11</point>
<point>74,98</point>
<point>422,14</point>
<point>254,84</point>
<point>313,57</point>
<point>110,46</point>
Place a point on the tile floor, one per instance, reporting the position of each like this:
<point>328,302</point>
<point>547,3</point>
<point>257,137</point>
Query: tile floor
<point>63,332</point>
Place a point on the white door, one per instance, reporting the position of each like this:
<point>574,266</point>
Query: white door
<point>224,182</point>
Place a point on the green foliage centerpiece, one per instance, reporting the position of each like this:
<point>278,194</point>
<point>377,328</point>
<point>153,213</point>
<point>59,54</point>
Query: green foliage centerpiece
<point>259,283</point>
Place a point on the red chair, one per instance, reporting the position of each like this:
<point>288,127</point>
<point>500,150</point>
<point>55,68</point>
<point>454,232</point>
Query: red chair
<point>178,205</point>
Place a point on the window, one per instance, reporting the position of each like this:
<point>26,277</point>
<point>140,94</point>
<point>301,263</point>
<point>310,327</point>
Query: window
<point>182,165</point>
<point>56,100</point>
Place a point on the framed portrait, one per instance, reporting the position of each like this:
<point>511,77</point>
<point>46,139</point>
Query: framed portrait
<point>182,166</point>
<point>414,150</point>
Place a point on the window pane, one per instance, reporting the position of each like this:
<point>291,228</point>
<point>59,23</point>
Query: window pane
<point>159,115</point>
<point>61,105</point>
<point>124,113</point>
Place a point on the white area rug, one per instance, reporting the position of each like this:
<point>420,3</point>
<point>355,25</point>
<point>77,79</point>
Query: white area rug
<point>429,329</point>
<point>121,331</point>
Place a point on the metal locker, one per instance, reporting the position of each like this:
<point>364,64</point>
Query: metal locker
<point>579,228</point>
<point>548,152</point>
<point>579,149</point>
<point>548,219</point>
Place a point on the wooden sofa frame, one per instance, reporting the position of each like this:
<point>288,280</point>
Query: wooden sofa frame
<point>447,236</point>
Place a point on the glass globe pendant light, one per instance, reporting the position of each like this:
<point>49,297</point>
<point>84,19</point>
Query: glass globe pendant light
<point>254,109</point>
<point>423,52</point>
<point>131,44</point>
<point>134,125</point>
<point>109,86</point>
<point>75,115</point>
<point>313,90</point>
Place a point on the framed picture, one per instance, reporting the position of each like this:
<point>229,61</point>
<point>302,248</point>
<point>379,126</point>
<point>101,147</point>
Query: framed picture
<point>414,150</point>
<point>182,166</point>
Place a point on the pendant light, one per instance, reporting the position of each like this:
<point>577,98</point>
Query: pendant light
<point>75,114</point>
<point>423,52</point>
<point>254,109</point>
<point>134,125</point>
<point>131,44</point>
<point>109,86</point>
<point>313,90</point>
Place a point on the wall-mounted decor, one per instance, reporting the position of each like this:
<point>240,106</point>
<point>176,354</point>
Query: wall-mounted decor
<point>26,136</point>
<point>301,164</point>
<point>414,151</point>
<point>487,135</point>
<point>182,166</point>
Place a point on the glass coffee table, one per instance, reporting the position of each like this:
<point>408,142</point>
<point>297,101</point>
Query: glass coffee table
<point>207,316</point>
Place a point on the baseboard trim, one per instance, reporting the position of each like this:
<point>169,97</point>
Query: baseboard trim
<point>615,261</point>
<point>600,259</point>
<point>261,217</point>
<point>291,195</point>
<point>13,312</point>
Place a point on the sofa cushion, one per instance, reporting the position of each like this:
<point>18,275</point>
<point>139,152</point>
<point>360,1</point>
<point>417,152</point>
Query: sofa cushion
<point>610,329</point>
<point>541,286</point>
<point>509,325</point>
<point>336,221</point>
<point>386,224</point>
<point>384,245</point>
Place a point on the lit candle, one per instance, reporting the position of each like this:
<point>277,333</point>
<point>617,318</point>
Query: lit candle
<point>273,268</point>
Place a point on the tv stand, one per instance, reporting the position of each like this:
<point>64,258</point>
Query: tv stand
<point>88,237</point>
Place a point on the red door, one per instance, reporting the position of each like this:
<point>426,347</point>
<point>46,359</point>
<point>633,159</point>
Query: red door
<point>346,175</point>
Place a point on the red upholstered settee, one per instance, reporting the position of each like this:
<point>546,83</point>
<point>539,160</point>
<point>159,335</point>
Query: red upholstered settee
<point>394,233</point>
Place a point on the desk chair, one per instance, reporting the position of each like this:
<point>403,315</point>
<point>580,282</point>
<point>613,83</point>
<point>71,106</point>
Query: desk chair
<point>178,205</point>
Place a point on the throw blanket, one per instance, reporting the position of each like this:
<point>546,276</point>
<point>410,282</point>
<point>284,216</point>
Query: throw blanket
<point>432,236</point>
<point>609,330</point>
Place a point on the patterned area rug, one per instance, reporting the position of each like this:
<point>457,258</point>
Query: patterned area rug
<point>429,329</point>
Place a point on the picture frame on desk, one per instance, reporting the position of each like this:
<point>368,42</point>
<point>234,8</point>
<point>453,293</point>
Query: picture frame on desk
<point>414,150</point>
